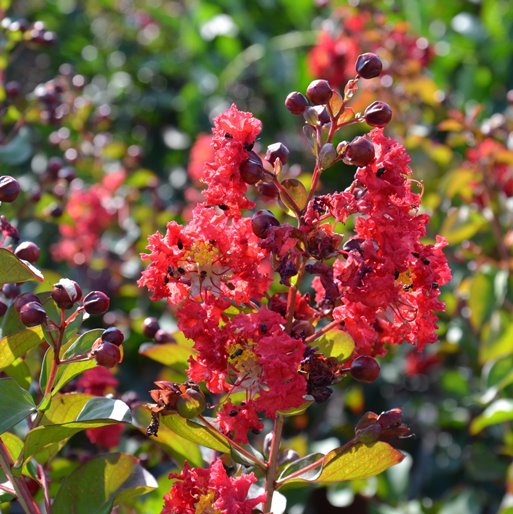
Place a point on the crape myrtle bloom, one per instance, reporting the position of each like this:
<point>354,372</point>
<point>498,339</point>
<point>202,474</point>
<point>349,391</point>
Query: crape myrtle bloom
<point>210,490</point>
<point>234,134</point>
<point>387,280</point>
<point>250,353</point>
<point>213,253</point>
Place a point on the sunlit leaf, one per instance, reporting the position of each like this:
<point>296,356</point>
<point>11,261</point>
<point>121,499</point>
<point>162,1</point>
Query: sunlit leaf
<point>336,343</point>
<point>13,269</point>
<point>499,411</point>
<point>16,345</point>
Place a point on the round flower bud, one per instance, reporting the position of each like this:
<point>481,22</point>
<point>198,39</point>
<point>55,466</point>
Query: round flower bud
<point>32,314</point>
<point>113,335</point>
<point>251,170</point>
<point>190,404</point>
<point>23,299</point>
<point>3,308</point>
<point>163,336</point>
<point>9,189</point>
<point>268,190</point>
<point>365,369</point>
<point>12,89</point>
<point>11,290</point>
<point>378,114</point>
<point>319,92</point>
<point>261,221</point>
<point>54,166</point>
<point>96,303</point>
<point>150,326</point>
<point>106,354</point>
<point>359,152</point>
<point>296,103</point>
<point>28,251</point>
<point>301,329</point>
<point>65,293</point>
<point>277,151</point>
<point>368,65</point>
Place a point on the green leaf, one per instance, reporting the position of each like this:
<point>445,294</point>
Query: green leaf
<point>16,345</point>
<point>102,482</point>
<point>96,412</point>
<point>497,412</point>
<point>20,372</point>
<point>297,192</point>
<point>461,224</point>
<point>169,354</point>
<point>302,463</point>
<point>13,269</point>
<point>195,432</point>
<point>180,448</point>
<point>336,343</point>
<point>15,404</point>
<point>83,343</point>
<point>18,150</point>
<point>481,299</point>
<point>357,462</point>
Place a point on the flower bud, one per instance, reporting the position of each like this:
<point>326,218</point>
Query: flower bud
<point>261,221</point>
<point>296,103</point>
<point>365,369</point>
<point>378,114</point>
<point>150,326</point>
<point>368,65</point>
<point>277,151</point>
<point>251,170</point>
<point>32,314</point>
<point>301,329</point>
<point>319,92</point>
<point>163,336</point>
<point>327,156</point>
<point>3,308</point>
<point>311,115</point>
<point>106,354</point>
<point>113,335</point>
<point>54,165</point>
<point>12,89</point>
<point>11,290</point>
<point>65,293</point>
<point>96,303</point>
<point>28,251</point>
<point>9,189</point>
<point>191,403</point>
<point>359,152</point>
<point>268,190</point>
<point>23,299</point>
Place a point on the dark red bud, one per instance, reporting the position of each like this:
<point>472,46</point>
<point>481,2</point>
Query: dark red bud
<point>12,89</point>
<point>261,222</point>
<point>96,303</point>
<point>9,189</point>
<point>23,299</point>
<point>106,354</point>
<point>11,290</point>
<point>359,152</point>
<point>54,165</point>
<point>28,251</point>
<point>65,293</point>
<point>365,369</point>
<point>251,170</point>
<point>67,173</point>
<point>32,314</point>
<point>163,336</point>
<point>296,103</point>
<point>3,308</point>
<point>319,92</point>
<point>268,190</point>
<point>150,326</point>
<point>368,65</point>
<point>378,114</point>
<point>301,329</point>
<point>113,335</point>
<point>277,151</point>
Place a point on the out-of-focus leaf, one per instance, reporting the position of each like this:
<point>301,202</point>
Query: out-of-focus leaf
<point>482,299</point>
<point>336,343</point>
<point>16,345</point>
<point>18,150</point>
<point>15,404</point>
<point>195,432</point>
<point>13,269</point>
<point>497,412</point>
<point>169,354</point>
<point>102,482</point>
<point>462,223</point>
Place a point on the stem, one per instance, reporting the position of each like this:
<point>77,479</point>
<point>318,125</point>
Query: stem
<point>23,494</point>
<point>237,446</point>
<point>46,491</point>
<point>322,331</point>
<point>272,464</point>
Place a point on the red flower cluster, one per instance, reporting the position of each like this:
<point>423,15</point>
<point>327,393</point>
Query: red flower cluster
<point>388,280</point>
<point>91,211</point>
<point>210,490</point>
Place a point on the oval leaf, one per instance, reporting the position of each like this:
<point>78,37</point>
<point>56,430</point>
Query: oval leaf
<point>16,345</point>
<point>169,354</point>
<point>297,192</point>
<point>13,270</point>
<point>100,483</point>
<point>336,343</point>
<point>15,404</point>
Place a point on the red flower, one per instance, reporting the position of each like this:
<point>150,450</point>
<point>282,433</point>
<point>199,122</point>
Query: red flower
<point>211,490</point>
<point>201,153</point>
<point>234,133</point>
<point>213,254</point>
